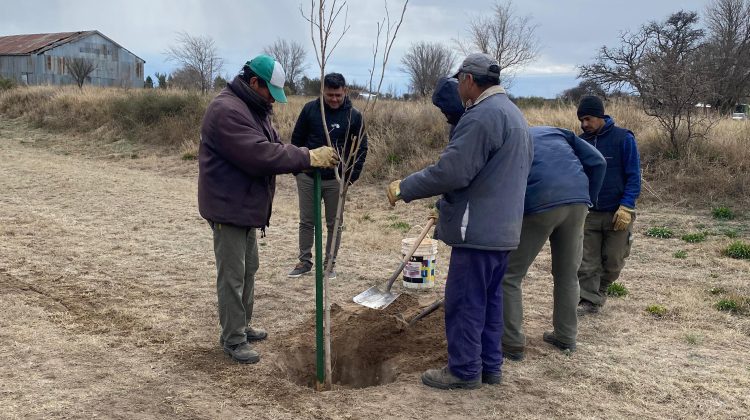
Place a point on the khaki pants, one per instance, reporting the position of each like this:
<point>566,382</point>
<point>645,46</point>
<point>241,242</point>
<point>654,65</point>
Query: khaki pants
<point>604,253</point>
<point>563,226</point>
<point>236,251</point>
<point>330,195</point>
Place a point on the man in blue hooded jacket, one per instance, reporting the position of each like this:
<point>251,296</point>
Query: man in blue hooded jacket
<point>565,179</point>
<point>481,175</point>
<point>608,228</point>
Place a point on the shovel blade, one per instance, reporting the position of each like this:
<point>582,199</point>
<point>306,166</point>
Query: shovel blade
<point>375,299</point>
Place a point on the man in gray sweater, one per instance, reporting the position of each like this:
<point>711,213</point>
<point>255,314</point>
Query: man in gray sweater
<point>481,175</point>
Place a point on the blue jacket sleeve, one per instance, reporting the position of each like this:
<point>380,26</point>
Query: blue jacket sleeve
<point>594,165</point>
<point>463,158</point>
<point>632,164</point>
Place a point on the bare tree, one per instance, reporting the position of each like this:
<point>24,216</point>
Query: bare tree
<point>291,55</point>
<point>199,54</point>
<point>661,63</point>
<point>80,68</point>
<point>425,63</point>
<point>186,78</point>
<point>727,53</point>
<point>505,35</point>
<point>585,87</point>
<point>322,18</point>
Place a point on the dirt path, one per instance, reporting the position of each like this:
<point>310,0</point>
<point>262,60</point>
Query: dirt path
<point>108,297</point>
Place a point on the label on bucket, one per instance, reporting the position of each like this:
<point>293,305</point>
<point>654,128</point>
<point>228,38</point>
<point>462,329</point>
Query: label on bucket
<point>419,272</point>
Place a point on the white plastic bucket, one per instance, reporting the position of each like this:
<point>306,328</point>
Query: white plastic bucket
<point>419,272</point>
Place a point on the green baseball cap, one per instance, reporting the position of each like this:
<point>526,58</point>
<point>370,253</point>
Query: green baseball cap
<point>271,71</point>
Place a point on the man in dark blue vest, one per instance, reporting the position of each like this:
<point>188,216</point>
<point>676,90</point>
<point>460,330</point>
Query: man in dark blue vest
<point>608,228</point>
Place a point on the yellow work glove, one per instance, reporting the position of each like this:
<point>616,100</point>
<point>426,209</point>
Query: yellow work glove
<point>434,214</point>
<point>623,217</point>
<point>394,192</point>
<point>323,157</point>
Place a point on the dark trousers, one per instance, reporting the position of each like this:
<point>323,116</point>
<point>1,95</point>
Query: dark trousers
<point>236,251</point>
<point>330,196</point>
<point>604,254</point>
<point>474,311</point>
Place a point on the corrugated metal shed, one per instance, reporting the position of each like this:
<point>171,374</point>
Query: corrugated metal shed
<point>41,58</point>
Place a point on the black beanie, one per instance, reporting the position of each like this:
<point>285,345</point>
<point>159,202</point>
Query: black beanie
<point>591,105</point>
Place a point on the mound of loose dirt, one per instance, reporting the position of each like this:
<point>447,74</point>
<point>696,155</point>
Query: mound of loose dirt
<point>368,347</point>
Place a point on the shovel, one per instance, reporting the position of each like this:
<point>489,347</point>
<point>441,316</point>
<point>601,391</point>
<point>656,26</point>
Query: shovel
<point>373,297</point>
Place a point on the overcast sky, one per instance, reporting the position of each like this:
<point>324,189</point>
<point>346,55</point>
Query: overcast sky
<point>570,31</point>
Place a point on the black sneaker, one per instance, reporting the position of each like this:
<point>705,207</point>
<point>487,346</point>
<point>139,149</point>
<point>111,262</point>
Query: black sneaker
<point>301,268</point>
<point>242,353</point>
<point>492,378</point>
<point>586,307</point>
<point>549,337</point>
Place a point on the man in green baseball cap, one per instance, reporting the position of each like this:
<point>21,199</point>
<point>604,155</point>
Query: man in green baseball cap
<point>239,157</point>
<point>271,72</point>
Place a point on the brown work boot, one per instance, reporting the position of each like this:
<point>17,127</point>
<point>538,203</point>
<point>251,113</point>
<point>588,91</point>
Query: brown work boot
<point>444,379</point>
<point>255,334</point>
<point>242,353</point>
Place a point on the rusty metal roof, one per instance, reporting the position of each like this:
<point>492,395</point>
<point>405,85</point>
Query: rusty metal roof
<point>34,43</point>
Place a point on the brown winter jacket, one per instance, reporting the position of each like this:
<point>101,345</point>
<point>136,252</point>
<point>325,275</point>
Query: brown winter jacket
<point>240,154</point>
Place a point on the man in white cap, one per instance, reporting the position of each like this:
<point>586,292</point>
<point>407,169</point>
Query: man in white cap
<point>240,154</point>
<point>481,175</point>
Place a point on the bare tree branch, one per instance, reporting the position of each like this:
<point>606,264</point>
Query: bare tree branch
<point>199,54</point>
<point>80,68</point>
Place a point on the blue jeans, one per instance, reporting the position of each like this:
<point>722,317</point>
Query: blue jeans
<point>474,311</point>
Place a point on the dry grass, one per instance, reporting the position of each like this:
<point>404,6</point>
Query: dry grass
<point>109,307</point>
<point>404,136</point>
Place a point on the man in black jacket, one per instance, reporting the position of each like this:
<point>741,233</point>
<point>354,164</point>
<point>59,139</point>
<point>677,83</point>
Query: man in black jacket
<point>344,124</point>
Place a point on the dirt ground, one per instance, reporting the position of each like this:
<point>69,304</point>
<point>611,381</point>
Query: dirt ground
<point>107,290</point>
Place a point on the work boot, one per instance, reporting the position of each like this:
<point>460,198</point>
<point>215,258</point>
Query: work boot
<point>242,353</point>
<point>513,353</point>
<point>255,334</point>
<point>492,378</point>
<point>586,307</point>
<point>549,337</point>
<point>302,267</point>
<point>444,379</point>
<point>252,334</point>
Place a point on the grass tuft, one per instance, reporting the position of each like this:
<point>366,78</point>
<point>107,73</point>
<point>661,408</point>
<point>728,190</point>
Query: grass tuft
<point>660,232</point>
<point>737,250</point>
<point>617,290</point>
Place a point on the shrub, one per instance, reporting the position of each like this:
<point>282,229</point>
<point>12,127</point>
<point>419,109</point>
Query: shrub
<point>730,233</point>
<point>657,311</point>
<point>722,213</point>
<point>6,84</point>
<point>402,226</point>
<point>660,232</point>
<point>681,254</point>
<point>738,250</point>
<point>617,290</point>
<point>727,305</point>
<point>694,237</point>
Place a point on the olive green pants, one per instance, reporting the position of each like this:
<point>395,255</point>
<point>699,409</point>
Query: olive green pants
<point>236,251</point>
<point>604,253</point>
<point>563,226</point>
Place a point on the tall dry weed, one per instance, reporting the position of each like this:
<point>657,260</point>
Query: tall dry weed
<point>403,136</point>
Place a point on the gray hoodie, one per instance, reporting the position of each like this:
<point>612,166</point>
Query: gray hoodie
<point>482,175</point>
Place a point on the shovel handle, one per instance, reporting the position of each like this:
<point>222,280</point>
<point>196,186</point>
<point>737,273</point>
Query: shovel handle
<point>394,276</point>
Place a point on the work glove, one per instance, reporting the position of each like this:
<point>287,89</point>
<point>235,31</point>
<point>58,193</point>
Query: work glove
<point>623,217</point>
<point>434,214</point>
<point>323,157</point>
<point>394,192</point>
